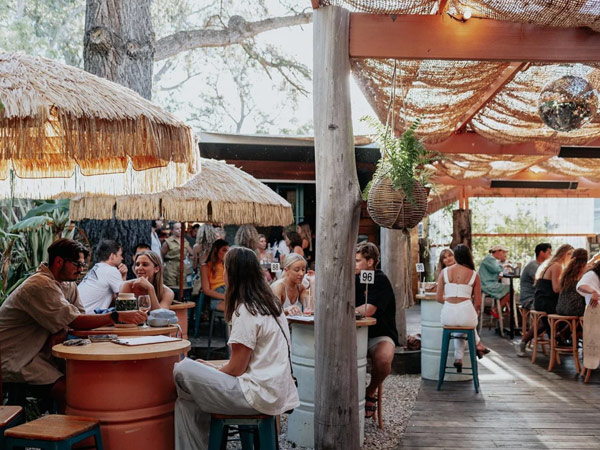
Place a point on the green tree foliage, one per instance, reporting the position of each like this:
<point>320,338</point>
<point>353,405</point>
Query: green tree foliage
<point>519,220</point>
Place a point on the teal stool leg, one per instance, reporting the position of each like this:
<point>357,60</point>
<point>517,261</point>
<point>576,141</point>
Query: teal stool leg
<point>266,432</point>
<point>473,355</point>
<point>247,436</point>
<point>98,439</point>
<point>443,357</point>
<point>198,313</point>
<point>216,434</point>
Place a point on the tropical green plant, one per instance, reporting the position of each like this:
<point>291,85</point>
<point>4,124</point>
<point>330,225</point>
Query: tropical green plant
<point>31,226</point>
<point>404,159</point>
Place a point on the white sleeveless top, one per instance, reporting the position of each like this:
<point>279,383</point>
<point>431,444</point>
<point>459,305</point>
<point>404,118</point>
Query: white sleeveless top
<point>458,290</point>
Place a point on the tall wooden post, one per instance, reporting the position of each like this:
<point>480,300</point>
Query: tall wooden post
<point>461,227</point>
<point>393,263</point>
<point>338,210</point>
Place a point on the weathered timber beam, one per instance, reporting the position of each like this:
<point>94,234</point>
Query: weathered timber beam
<point>336,423</point>
<point>583,183</point>
<point>441,37</point>
<point>505,77</point>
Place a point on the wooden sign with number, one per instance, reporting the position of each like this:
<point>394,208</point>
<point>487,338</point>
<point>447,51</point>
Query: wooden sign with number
<point>367,277</point>
<point>420,267</point>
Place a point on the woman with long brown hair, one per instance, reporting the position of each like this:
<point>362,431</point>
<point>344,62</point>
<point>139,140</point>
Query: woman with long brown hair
<point>213,274</point>
<point>570,302</point>
<point>149,270</point>
<point>257,379</point>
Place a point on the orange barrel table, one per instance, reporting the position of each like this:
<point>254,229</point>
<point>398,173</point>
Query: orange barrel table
<point>170,330</point>
<point>181,310</point>
<point>130,389</point>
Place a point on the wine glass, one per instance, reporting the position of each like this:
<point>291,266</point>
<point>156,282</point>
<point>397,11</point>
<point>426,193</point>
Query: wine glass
<point>144,305</point>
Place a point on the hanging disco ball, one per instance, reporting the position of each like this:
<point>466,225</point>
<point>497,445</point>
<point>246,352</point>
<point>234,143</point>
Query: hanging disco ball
<point>567,103</point>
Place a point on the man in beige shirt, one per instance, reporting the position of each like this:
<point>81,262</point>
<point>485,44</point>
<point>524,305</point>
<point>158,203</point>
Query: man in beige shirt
<point>38,314</point>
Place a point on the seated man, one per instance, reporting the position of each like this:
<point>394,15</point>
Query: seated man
<point>103,281</point>
<point>381,304</point>
<point>37,315</point>
<point>543,251</point>
<point>489,272</point>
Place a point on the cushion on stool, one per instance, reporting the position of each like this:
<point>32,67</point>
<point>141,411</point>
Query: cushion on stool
<point>53,427</point>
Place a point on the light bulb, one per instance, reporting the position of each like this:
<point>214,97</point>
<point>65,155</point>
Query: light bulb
<point>467,13</point>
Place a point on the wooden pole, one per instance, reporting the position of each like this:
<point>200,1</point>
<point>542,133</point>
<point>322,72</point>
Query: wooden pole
<point>181,258</point>
<point>461,227</point>
<point>393,263</point>
<point>338,211</point>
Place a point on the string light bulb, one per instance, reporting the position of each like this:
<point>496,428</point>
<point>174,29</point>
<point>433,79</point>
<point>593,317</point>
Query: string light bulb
<point>467,13</point>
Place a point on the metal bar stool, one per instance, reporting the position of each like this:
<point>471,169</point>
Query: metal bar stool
<point>10,416</point>
<point>256,432</point>
<point>536,317</point>
<point>449,333</point>
<point>571,321</point>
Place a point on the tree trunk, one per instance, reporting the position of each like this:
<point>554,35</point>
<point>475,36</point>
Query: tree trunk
<point>393,263</point>
<point>118,42</point>
<point>461,227</point>
<point>128,233</point>
<point>338,211</point>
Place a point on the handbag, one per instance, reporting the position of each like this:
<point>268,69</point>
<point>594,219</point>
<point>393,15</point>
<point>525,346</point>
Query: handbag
<point>289,359</point>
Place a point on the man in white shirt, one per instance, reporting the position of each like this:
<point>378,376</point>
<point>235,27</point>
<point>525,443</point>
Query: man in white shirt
<point>105,279</point>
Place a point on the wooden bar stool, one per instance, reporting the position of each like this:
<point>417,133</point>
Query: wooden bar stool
<point>571,321</point>
<point>536,317</point>
<point>492,303</point>
<point>256,432</point>
<point>54,431</point>
<point>449,333</point>
<point>10,416</point>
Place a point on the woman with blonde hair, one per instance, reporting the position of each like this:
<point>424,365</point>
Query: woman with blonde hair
<point>446,260</point>
<point>289,289</point>
<point>247,236</point>
<point>148,267</point>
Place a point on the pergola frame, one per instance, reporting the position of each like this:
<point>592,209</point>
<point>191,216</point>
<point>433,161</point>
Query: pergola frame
<point>357,35</point>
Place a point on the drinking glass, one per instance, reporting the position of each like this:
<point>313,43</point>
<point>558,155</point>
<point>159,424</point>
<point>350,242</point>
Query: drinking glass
<point>144,305</point>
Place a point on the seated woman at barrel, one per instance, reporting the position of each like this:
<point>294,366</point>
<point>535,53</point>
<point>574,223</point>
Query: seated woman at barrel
<point>446,260</point>
<point>289,289</point>
<point>570,302</point>
<point>212,273</point>
<point>149,271</point>
<point>457,286</point>
<point>258,377</point>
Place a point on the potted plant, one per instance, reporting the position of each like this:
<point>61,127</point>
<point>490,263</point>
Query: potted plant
<point>397,194</point>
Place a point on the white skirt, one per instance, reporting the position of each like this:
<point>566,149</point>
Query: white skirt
<point>459,314</point>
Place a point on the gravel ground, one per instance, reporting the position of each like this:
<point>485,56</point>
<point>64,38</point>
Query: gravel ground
<point>399,396</point>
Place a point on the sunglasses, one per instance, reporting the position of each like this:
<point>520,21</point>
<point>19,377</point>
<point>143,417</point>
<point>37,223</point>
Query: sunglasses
<point>79,264</point>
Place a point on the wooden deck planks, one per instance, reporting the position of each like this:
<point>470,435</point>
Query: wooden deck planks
<point>521,406</point>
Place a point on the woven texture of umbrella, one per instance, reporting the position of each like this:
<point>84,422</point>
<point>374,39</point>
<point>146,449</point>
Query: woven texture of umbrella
<point>60,121</point>
<point>221,193</point>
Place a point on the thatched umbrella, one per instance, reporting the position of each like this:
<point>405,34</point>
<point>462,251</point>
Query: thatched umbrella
<point>221,193</point>
<point>60,121</point>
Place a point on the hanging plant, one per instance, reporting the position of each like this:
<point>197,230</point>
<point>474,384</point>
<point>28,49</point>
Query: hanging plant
<point>397,194</point>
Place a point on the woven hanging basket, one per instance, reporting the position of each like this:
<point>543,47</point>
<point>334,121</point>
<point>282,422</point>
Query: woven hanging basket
<point>389,208</point>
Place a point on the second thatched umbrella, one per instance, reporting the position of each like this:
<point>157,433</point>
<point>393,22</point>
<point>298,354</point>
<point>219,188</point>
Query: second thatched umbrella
<point>220,193</point>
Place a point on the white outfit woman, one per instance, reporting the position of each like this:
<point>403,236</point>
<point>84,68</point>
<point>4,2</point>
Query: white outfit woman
<point>460,314</point>
<point>266,387</point>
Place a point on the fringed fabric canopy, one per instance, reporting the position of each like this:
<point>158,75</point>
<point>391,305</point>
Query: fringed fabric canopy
<point>221,193</point>
<point>60,121</point>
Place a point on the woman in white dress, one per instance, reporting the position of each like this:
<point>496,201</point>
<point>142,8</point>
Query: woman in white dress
<point>289,289</point>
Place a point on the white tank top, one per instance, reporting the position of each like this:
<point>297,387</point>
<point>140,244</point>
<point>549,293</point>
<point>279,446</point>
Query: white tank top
<point>458,290</point>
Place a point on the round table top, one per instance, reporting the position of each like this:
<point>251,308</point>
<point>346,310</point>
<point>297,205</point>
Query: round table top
<point>109,351</point>
<point>133,331</point>
<point>184,305</point>
<point>310,320</point>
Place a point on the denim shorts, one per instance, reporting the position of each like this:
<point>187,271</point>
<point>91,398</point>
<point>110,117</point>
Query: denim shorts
<point>215,301</point>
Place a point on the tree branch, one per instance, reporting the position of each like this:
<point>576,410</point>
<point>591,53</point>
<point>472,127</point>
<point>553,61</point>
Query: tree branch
<point>237,31</point>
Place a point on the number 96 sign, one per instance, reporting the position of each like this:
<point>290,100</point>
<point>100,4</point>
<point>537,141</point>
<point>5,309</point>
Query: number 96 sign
<point>367,277</point>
